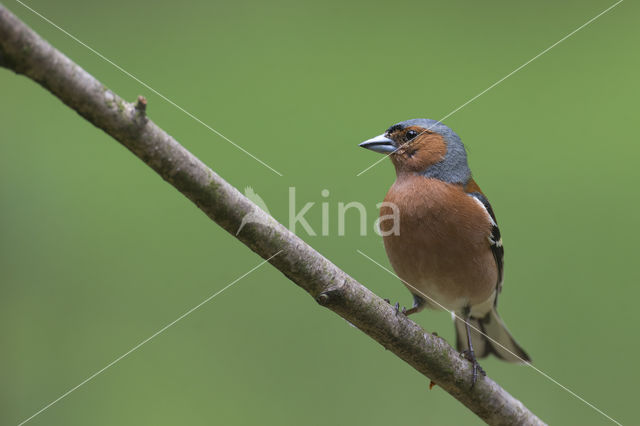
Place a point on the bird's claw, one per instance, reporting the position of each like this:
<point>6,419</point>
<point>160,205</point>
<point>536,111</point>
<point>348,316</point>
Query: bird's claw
<point>396,307</point>
<point>470,355</point>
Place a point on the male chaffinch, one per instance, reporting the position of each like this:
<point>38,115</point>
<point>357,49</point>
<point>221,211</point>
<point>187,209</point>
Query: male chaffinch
<point>447,248</point>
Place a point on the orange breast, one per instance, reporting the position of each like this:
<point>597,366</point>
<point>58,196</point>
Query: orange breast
<point>442,247</point>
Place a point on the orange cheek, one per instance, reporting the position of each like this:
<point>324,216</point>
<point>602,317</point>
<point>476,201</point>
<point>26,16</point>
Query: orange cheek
<point>426,151</point>
<point>430,150</point>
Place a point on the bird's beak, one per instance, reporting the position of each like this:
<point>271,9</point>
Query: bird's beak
<point>380,143</point>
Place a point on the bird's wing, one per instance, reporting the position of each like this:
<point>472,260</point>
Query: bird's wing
<point>257,200</point>
<point>495,240</point>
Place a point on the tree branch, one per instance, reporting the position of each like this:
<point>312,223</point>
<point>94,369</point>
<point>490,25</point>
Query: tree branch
<point>24,52</point>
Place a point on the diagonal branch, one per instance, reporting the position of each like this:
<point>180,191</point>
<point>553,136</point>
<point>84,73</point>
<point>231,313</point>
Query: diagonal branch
<point>24,52</point>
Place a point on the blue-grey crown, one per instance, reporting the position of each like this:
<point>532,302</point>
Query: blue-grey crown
<point>454,167</point>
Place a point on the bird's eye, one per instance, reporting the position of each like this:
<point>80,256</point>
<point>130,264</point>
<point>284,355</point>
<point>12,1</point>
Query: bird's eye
<point>410,135</point>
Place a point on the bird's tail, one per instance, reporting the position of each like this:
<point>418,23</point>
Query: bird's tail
<point>490,325</point>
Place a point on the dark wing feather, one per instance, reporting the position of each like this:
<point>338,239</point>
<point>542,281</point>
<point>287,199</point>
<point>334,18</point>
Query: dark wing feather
<point>495,240</point>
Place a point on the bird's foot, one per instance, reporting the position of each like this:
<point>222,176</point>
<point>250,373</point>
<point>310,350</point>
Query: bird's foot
<point>471,356</point>
<point>404,310</point>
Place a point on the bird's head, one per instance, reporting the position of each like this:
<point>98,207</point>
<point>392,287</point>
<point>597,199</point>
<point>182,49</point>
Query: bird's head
<point>425,147</point>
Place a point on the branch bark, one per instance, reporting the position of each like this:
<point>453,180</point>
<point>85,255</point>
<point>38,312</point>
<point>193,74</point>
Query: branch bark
<point>24,52</point>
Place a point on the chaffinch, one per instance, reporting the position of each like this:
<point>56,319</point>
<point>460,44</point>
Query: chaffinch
<point>447,248</point>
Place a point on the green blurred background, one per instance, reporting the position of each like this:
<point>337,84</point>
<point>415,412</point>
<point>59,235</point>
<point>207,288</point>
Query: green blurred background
<point>97,252</point>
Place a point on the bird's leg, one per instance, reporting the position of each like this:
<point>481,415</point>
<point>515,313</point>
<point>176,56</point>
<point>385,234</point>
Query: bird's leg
<point>470,354</point>
<point>418,305</point>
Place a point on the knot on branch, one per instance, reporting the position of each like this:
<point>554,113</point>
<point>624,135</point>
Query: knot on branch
<point>140,109</point>
<point>327,297</point>
<point>141,105</point>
